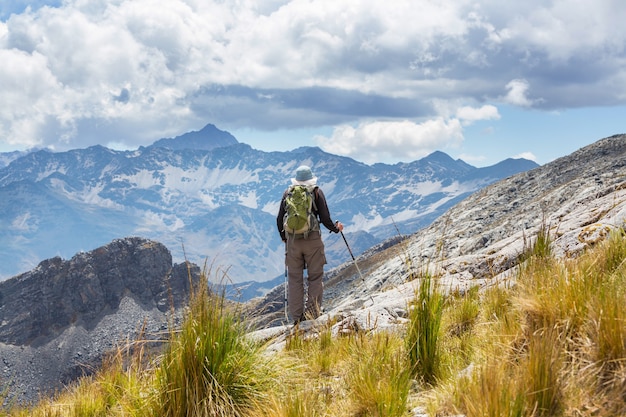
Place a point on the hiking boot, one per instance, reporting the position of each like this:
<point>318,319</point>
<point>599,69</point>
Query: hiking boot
<point>298,320</point>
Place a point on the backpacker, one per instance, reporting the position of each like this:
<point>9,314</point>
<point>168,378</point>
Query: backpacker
<point>299,210</point>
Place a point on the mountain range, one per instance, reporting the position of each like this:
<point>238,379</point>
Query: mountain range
<point>213,200</point>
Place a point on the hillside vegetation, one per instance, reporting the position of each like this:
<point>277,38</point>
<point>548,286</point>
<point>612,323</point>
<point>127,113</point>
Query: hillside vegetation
<point>549,341</point>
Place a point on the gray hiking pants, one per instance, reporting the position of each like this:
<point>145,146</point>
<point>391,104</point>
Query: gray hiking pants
<point>304,253</point>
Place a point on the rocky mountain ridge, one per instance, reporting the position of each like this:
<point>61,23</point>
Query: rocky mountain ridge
<point>58,320</point>
<point>208,197</point>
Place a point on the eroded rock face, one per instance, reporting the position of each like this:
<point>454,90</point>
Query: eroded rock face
<point>571,196</point>
<point>57,320</point>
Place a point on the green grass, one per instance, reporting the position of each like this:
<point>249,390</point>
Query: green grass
<point>552,344</point>
<point>209,367</point>
<point>423,335</point>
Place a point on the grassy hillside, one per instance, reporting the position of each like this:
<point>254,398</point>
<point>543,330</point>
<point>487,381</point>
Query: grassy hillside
<point>551,341</point>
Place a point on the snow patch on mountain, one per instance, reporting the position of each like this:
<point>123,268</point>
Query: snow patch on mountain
<point>329,187</point>
<point>220,177</point>
<point>249,200</point>
<point>24,223</point>
<point>402,216</point>
<point>271,207</point>
<point>367,223</point>
<point>152,222</point>
<point>424,188</point>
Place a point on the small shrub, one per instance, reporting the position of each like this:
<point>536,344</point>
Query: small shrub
<point>210,368</point>
<point>541,374</point>
<point>496,302</point>
<point>378,376</point>
<point>614,253</point>
<point>464,310</point>
<point>539,248</point>
<point>297,401</point>
<point>423,331</point>
<point>492,391</point>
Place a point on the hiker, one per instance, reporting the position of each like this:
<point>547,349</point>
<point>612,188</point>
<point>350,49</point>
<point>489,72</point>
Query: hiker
<point>304,248</point>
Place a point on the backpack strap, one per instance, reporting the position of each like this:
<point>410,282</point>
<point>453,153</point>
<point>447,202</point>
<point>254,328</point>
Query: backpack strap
<point>315,194</point>
<point>316,223</point>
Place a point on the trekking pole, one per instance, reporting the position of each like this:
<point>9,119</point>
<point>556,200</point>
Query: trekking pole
<point>355,263</point>
<point>286,314</point>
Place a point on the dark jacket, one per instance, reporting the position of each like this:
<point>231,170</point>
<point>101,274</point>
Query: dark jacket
<point>320,209</point>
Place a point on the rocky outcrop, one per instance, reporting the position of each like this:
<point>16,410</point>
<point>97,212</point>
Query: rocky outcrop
<point>57,320</point>
<point>572,197</point>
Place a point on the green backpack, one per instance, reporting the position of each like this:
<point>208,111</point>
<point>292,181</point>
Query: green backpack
<point>299,204</point>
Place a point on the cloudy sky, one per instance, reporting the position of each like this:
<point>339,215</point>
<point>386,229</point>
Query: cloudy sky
<point>379,81</point>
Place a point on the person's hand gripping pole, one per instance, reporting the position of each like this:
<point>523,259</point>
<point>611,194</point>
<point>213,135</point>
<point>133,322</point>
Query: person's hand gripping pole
<point>340,227</point>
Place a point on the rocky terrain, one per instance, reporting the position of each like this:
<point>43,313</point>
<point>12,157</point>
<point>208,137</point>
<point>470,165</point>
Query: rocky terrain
<point>58,320</point>
<point>578,198</point>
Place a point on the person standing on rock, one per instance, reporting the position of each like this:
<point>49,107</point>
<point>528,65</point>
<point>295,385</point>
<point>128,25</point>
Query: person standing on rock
<point>302,208</point>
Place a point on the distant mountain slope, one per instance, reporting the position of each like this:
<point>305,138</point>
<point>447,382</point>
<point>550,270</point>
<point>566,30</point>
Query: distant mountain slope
<point>7,157</point>
<point>216,205</point>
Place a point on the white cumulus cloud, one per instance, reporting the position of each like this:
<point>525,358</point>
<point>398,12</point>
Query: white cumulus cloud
<point>472,114</point>
<point>526,155</point>
<point>517,93</point>
<point>404,140</point>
